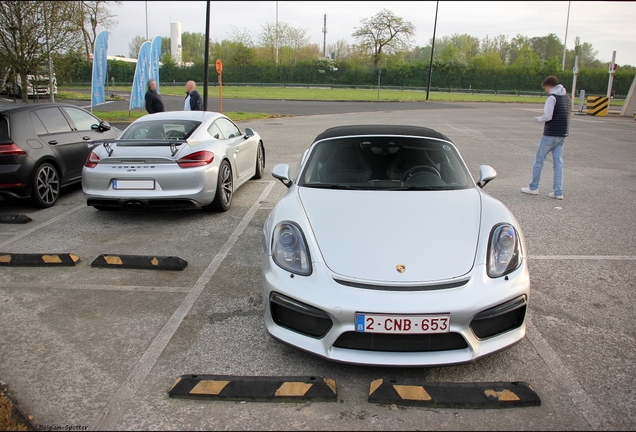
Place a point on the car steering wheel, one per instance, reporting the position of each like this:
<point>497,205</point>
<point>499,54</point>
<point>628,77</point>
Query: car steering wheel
<point>420,169</point>
<point>175,134</point>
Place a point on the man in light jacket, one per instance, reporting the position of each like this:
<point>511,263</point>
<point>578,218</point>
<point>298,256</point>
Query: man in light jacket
<point>556,120</point>
<point>193,101</point>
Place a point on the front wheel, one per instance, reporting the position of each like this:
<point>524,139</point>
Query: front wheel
<point>224,189</point>
<point>260,161</point>
<point>46,186</point>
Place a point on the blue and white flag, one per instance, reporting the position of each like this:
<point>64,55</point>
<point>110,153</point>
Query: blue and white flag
<point>138,94</point>
<point>155,57</point>
<point>99,69</point>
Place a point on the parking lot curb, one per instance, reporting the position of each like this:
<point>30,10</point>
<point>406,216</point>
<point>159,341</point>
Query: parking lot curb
<point>15,219</point>
<point>254,388</point>
<point>454,395</point>
<point>38,260</point>
<point>140,262</point>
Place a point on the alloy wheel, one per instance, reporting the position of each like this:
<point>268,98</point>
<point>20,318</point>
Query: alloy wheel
<point>226,184</point>
<point>48,185</point>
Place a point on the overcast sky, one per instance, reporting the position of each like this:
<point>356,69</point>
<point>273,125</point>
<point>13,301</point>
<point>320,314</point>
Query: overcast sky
<point>607,25</point>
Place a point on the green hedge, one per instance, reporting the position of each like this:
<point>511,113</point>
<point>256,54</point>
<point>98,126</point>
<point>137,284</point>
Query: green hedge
<point>593,81</point>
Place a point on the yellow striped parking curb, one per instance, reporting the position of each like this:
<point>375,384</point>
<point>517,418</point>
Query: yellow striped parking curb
<point>454,395</point>
<point>254,388</point>
<point>597,106</point>
<point>38,260</point>
<point>141,262</point>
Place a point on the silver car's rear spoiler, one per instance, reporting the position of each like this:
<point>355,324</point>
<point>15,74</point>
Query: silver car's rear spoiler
<point>174,144</point>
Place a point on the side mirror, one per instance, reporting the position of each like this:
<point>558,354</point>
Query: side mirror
<point>248,133</point>
<point>104,126</point>
<point>281,172</point>
<point>486,174</point>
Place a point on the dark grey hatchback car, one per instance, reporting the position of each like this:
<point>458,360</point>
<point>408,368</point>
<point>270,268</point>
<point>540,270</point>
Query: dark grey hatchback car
<point>44,147</point>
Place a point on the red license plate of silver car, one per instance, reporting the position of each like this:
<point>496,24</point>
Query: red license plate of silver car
<point>402,324</point>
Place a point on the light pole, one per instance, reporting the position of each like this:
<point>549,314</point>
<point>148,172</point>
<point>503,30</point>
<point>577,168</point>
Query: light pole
<point>146,3</point>
<point>206,57</point>
<point>430,65</point>
<point>565,40</point>
<point>277,32</point>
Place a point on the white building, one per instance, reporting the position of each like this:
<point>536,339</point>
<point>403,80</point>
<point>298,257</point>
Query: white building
<point>175,42</point>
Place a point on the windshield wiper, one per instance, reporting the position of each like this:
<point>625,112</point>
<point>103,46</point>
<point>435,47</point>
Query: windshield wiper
<point>329,186</point>
<point>414,187</point>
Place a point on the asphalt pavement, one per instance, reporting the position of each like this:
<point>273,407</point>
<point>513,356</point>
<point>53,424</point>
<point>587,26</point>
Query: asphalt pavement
<point>100,348</point>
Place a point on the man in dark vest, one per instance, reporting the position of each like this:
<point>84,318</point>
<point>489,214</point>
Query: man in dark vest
<point>556,119</point>
<point>154,104</point>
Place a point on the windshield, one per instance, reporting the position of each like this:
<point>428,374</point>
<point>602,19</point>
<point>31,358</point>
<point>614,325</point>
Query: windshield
<point>161,130</point>
<point>385,163</point>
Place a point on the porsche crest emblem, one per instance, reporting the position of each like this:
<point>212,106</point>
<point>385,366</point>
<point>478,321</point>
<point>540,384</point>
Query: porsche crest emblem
<point>401,268</point>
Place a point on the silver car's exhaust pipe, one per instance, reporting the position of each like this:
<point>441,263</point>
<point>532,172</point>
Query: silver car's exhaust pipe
<point>130,205</point>
<point>138,206</point>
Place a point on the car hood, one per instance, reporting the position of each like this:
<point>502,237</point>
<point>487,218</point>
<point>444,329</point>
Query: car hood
<point>367,234</point>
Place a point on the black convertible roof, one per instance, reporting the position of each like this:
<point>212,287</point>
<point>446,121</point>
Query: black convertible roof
<point>376,129</point>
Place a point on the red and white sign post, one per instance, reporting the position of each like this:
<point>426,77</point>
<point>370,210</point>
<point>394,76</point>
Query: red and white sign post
<point>612,69</point>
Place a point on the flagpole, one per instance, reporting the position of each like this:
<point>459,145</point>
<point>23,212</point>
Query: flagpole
<point>146,19</point>
<point>430,66</point>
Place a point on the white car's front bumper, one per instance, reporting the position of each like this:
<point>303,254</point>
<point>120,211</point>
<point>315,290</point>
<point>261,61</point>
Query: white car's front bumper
<point>340,303</point>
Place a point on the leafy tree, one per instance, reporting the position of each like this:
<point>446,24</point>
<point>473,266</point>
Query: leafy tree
<point>527,62</point>
<point>193,47</point>
<point>23,34</point>
<point>134,45</point>
<point>384,32</point>
<point>489,63</point>
<point>93,14</point>
<point>547,47</point>
<point>165,45</point>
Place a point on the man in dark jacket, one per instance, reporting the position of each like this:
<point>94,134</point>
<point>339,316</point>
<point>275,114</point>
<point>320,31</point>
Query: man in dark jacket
<point>556,120</point>
<point>154,104</point>
<point>193,101</point>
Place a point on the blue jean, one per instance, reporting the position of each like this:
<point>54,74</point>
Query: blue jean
<point>549,144</point>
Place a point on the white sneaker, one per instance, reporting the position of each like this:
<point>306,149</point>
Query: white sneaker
<point>552,195</point>
<point>527,190</point>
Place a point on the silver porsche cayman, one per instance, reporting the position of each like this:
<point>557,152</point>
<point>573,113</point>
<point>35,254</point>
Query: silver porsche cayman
<point>173,160</point>
<point>386,252</point>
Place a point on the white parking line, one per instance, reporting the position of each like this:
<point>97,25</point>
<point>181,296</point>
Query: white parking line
<point>109,418</point>
<point>580,398</point>
<point>583,257</point>
<point>42,225</point>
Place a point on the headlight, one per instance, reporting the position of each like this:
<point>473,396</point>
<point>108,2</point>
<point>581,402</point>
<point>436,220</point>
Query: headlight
<point>504,251</point>
<point>289,249</point>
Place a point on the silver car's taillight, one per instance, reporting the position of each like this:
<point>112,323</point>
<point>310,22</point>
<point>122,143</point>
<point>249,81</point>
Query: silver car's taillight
<point>504,251</point>
<point>289,249</point>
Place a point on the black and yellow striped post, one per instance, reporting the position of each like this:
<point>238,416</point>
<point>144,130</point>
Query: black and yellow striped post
<point>139,262</point>
<point>454,395</point>
<point>597,106</point>
<point>254,388</point>
<point>38,260</point>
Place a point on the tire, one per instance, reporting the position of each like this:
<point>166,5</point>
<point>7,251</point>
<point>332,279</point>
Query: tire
<point>260,162</point>
<point>46,186</point>
<point>224,189</point>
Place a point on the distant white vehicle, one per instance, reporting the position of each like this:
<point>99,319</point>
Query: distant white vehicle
<point>37,85</point>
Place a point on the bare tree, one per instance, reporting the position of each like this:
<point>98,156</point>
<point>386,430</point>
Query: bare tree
<point>340,49</point>
<point>134,45</point>
<point>384,32</point>
<point>93,14</point>
<point>23,34</point>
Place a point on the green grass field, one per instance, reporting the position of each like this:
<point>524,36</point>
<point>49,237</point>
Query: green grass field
<point>124,117</point>
<point>327,94</point>
<point>75,95</point>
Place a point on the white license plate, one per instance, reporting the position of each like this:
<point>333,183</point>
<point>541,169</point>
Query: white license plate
<point>370,323</point>
<point>133,184</point>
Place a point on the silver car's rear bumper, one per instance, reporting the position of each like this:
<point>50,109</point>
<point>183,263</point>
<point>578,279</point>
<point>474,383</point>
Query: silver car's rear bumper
<point>195,186</point>
<point>340,303</point>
